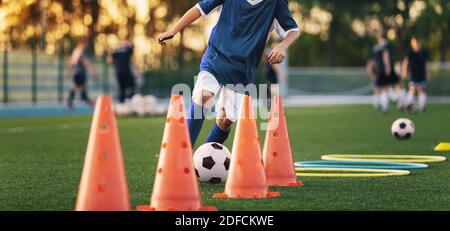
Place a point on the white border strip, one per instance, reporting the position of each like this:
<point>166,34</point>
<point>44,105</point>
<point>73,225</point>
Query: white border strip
<point>201,10</point>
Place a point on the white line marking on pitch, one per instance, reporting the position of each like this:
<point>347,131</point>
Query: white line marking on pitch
<point>65,126</point>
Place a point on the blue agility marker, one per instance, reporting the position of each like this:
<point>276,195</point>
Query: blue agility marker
<point>359,165</point>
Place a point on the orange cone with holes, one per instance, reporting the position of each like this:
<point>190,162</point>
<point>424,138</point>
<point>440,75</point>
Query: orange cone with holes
<point>176,187</point>
<point>246,178</point>
<point>277,154</point>
<point>103,184</point>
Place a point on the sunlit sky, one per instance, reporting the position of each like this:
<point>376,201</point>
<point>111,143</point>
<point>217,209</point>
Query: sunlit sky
<point>117,20</point>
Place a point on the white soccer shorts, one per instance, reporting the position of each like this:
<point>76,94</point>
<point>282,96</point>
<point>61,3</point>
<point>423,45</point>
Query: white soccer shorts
<point>229,100</point>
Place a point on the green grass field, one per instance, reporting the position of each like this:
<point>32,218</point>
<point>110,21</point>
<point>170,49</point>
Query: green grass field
<point>41,161</point>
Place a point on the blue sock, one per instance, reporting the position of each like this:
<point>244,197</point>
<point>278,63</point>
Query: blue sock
<point>195,120</point>
<point>217,135</point>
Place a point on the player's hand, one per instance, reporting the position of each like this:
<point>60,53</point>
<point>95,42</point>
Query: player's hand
<point>277,55</point>
<point>165,36</point>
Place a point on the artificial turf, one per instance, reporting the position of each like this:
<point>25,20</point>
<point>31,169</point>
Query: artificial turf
<point>41,161</point>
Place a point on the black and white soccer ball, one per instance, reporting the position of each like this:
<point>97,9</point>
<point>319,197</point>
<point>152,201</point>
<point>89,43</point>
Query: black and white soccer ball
<point>403,129</point>
<point>211,162</point>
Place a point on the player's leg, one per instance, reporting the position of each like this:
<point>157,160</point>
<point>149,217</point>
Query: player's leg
<point>132,90</point>
<point>77,80</point>
<point>384,101</point>
<point>196,114</point>
<point>395,90</point>
<point>84,95</point>
<point>392,96</point>
<point>122,88</point>
<point>376,98</point>
<point>228,109</point>
<point>379,83</point>
<point>422,98</point>
<point>400,91</point>
<point>221,129</point>
<point>130,87</point>
<point>202,98</point>
<point>410,97</point>
<point>72,92</point>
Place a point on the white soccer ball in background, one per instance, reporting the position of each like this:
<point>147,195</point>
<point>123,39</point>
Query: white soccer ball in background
<point>137,104</point>
<point>211,162</point>
<point>150,104</point>
<point>123,109</point>
<point>403,129</point>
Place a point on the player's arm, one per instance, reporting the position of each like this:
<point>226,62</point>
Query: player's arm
<point>387,62</point>
<point>189,17</point>
<point>369,69</point>
<point>278,53</point>
<point>287,28</point>
<point>405,64</point>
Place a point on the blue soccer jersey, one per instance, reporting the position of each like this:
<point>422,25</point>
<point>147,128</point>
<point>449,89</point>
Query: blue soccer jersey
<point>237,41</point>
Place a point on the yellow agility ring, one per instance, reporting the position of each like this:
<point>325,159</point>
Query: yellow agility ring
<point>388,158</point>
<point>351,172</point>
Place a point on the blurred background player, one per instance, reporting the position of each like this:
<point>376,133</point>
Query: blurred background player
<point>381,69</point>
<point>416,63</point>
<point>122,59</point>
<point>79,67</point>
<point>273,73</point>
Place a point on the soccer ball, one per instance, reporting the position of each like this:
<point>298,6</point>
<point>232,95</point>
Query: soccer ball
<point>137,104</point>
<point>211,162</point>
<point>402,129</point>
<point>123,109</point>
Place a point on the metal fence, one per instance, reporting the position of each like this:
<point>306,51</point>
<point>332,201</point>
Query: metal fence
<point>355,81</point>
<point>30,76</point>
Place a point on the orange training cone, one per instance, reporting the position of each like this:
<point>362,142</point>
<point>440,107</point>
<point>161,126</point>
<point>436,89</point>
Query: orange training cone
<point>176,186</point>
<point>246,177</point>
<point>103,184</point>
<point>278,162</point>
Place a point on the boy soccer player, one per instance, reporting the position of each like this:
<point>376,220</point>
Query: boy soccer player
<point>416,62</point>
<point>78,68</point>
<point>234,50</point>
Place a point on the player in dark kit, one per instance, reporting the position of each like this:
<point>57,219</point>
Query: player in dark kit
<point>122,59</point>
<point>381,68</point>
<point>416,63</point>
<point>78,68</point>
